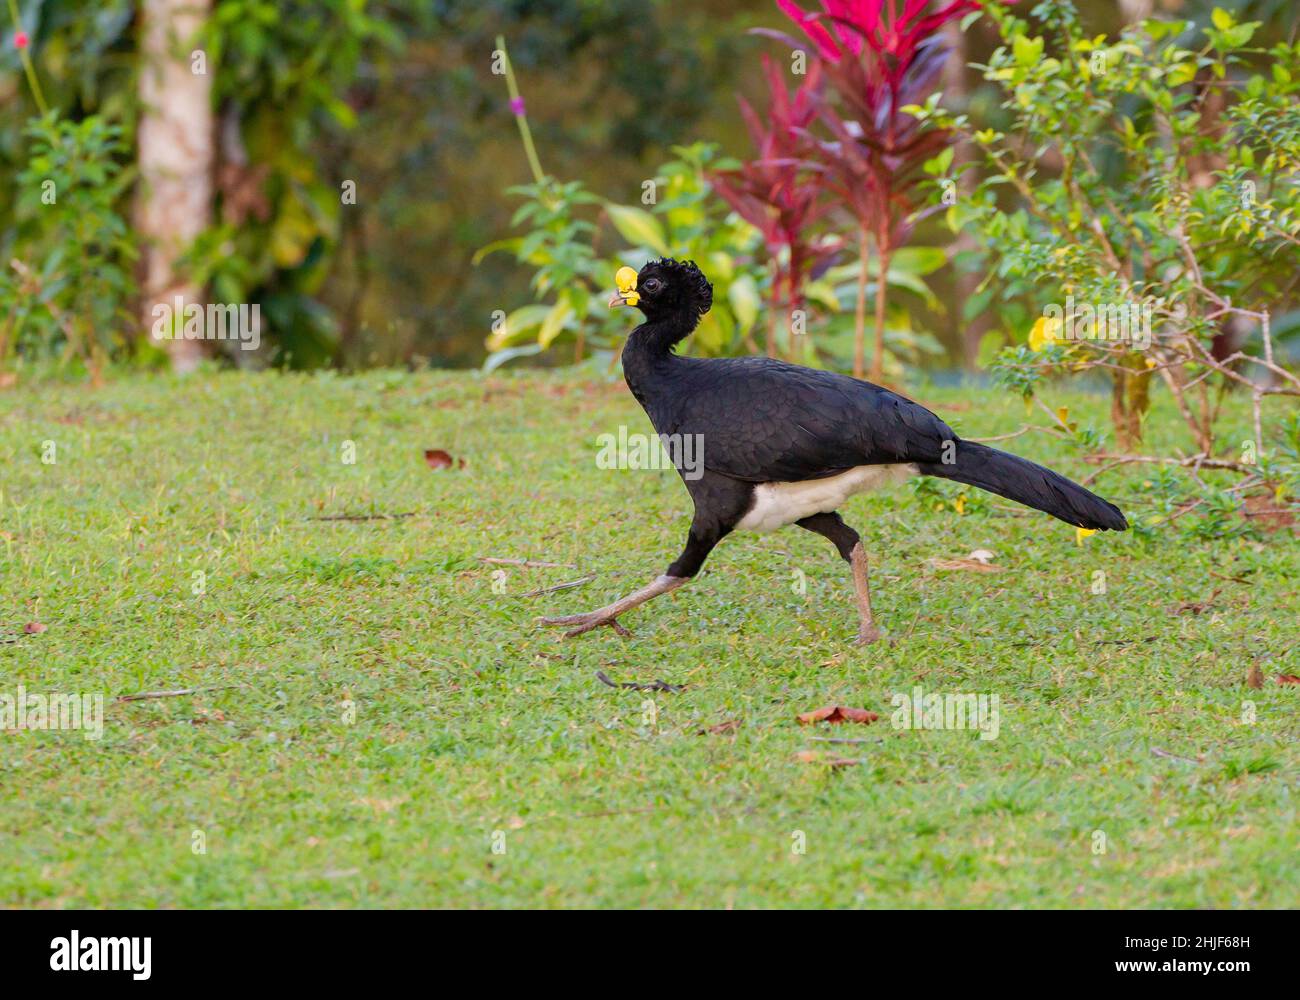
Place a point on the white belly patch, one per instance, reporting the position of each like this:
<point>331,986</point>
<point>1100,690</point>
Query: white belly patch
<point>779,504</point>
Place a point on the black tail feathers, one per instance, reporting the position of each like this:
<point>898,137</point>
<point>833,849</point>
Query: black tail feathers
<point>1029,484</point>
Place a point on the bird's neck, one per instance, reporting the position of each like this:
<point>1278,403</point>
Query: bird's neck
<point>657,338</point>
<point>648,354</point>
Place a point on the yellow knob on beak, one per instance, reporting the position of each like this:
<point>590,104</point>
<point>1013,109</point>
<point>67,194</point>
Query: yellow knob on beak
<point>626,295</point>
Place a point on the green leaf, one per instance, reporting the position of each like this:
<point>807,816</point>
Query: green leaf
<point>743,296</point>
<point>918,260</point>
<point>1222,19</point>
<point>554,323</point>
<point>517,325</point>
<point>823,293</point>
<point>511,244</point>
<point>711,334</point>
<point>498,358</point>
<point>638,227</point>
<point>1027,50</point>
<point>938,166</point>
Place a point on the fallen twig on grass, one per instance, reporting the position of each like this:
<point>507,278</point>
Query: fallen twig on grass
<point>526,563</point>
<point>656,685</point>
<point>561,586</point>
<point>1173,756</point>
<point>362,517</point>
<point>1195,461</point>
<point>1023,429</point>
<point>1003,437</point>
<point>147,695</point>
<point>1098,642</point>
<point>1197,607</point>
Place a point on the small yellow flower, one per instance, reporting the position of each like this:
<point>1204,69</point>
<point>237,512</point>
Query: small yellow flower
<point>1046,331</point>
<point>1081,533</point>
<point>959,505</point>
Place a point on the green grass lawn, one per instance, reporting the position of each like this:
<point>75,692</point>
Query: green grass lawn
<point>381,710</point>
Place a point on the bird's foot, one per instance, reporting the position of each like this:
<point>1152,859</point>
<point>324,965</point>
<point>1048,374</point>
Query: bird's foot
<point>867,634</point>
<point>586,623</point>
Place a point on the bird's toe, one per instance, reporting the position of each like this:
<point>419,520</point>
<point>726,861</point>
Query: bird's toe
<point>563,620</point>
<point>586,623</point>
<point>866,636</point>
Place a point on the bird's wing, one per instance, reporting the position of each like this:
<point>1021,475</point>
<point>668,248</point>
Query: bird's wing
<point>766,421</point>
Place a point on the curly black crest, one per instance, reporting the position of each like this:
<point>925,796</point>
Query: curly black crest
<point>678,287</point>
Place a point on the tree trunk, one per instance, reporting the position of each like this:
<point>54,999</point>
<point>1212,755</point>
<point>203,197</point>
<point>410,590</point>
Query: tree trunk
<point>1129,401</point>
<point>956,96</point>
<point>175,150</point>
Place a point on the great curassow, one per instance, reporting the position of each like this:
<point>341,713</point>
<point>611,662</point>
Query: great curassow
<point>784,444</point>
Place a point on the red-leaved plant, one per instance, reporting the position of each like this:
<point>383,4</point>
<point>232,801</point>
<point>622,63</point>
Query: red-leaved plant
<point>878,59</point>
<point>771,191</point>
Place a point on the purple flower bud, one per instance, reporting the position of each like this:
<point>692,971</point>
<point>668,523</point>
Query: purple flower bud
<point>517,106</point>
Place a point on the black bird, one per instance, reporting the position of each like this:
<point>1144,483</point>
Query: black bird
<point>784,444</point>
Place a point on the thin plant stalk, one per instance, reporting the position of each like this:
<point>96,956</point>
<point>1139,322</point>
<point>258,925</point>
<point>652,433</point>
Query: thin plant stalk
<point>883,253</point>
<point>517,106</point>
<point>774,307</point>
<point>860,315</point>
<point>26,58</point>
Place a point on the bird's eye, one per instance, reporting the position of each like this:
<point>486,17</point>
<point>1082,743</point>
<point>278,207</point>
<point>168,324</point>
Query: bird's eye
<point>653,285</point>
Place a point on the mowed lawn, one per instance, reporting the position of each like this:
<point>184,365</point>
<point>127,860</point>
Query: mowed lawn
<point>382,723</point>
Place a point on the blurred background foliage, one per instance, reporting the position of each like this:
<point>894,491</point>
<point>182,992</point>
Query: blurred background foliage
<point>399,99</point>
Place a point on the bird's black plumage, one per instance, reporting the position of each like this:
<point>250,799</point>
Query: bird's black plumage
<point>765,425</point>
<point>766,421</point>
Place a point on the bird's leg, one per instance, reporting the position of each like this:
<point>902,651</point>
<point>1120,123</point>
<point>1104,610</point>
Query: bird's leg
<point>608,615</point>
<point>698,546</point>
<point>867,631</point>
<point>849,544</point>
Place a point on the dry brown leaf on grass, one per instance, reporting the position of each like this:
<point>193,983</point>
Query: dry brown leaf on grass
<point>975,565</point>
<point>836,714</point>
<point>1197,607</point>
<point>35,628</point>
<point>436,458</point>
<point>1255,678</point>
<point>1288,679</point>
<point>812,757</point>
<point>730,726</point>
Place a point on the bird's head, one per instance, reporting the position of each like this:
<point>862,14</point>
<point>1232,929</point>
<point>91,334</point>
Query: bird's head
<point>665,289</point>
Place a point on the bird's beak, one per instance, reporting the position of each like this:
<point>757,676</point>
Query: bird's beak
<point>626,294</point>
